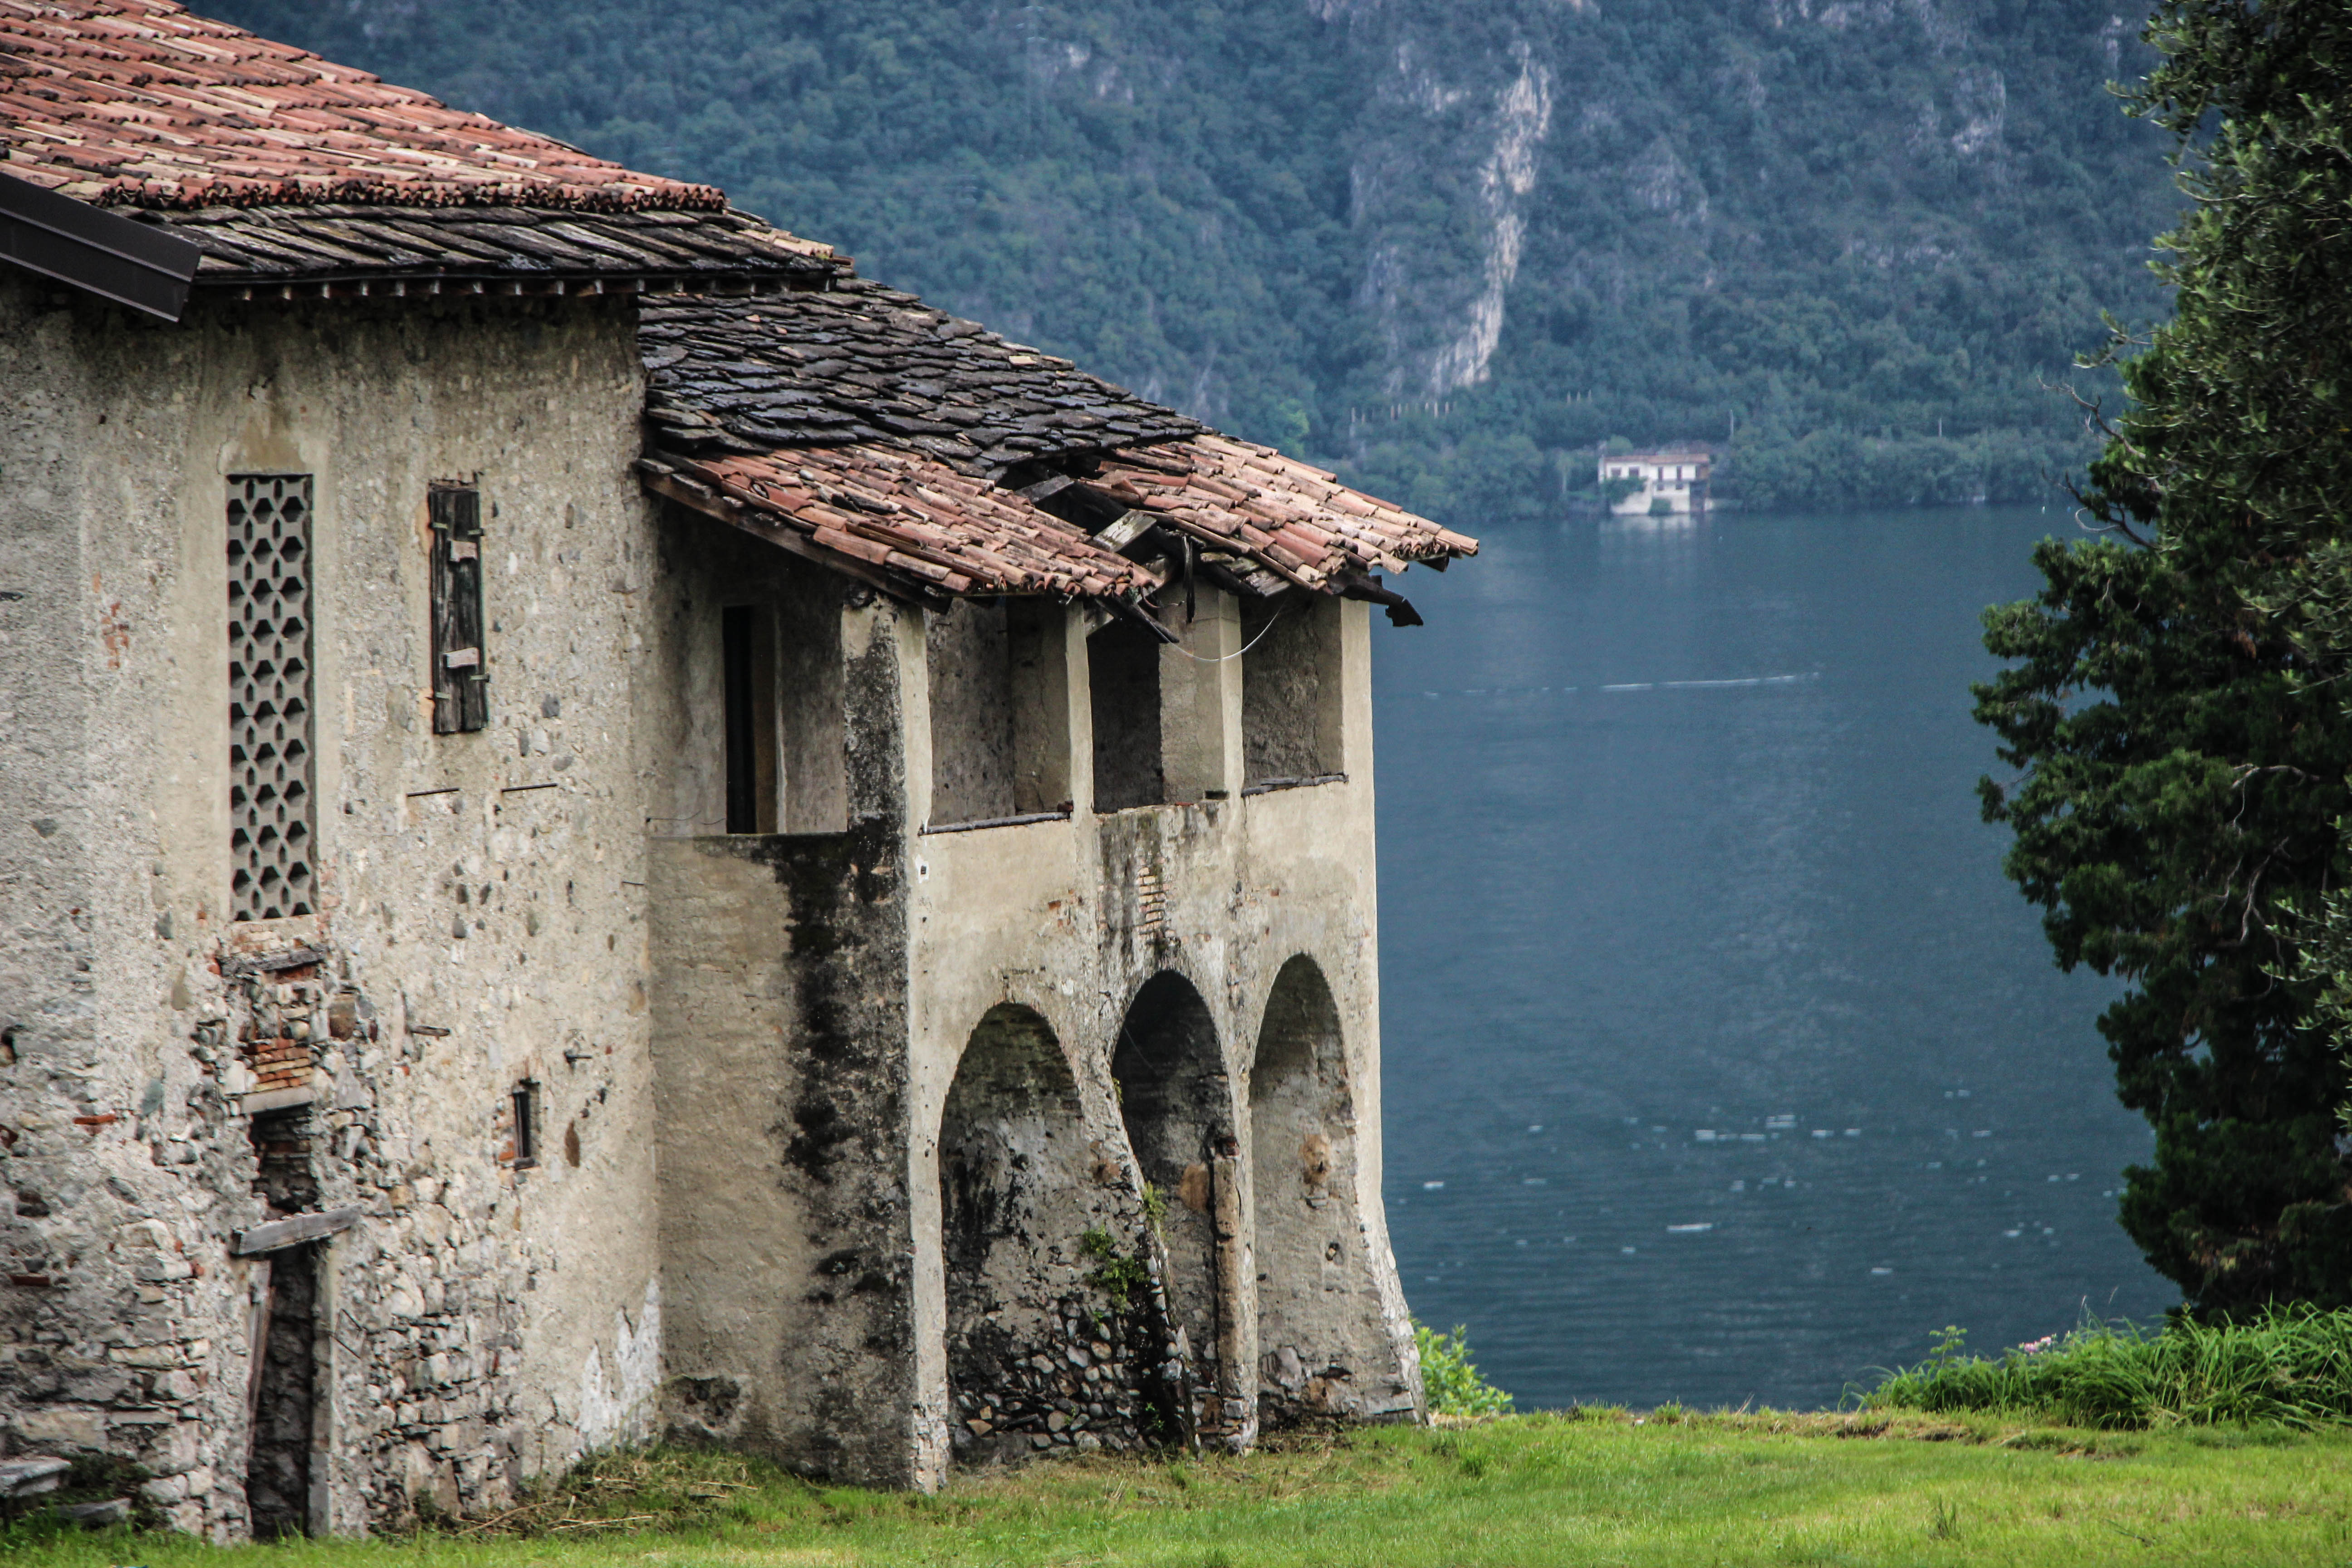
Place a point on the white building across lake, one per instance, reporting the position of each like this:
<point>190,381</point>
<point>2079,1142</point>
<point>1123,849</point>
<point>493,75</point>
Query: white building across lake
<point>1665,482</point>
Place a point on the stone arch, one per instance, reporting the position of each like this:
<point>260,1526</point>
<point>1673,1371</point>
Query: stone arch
<point>1320,1335</point>
<point>1036,1358</point>
<point>1176,1100</point>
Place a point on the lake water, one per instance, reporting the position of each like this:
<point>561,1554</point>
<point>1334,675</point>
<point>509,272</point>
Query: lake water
<point>1720,1061</point>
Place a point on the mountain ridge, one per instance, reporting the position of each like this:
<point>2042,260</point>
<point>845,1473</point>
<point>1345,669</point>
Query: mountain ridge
<point>1447,248</point>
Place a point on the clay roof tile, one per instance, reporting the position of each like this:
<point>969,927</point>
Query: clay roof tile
<point>140,103</point>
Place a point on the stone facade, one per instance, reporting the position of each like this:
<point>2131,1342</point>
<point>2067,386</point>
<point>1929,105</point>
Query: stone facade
<point>934,1116</point>
<point>477,923</point>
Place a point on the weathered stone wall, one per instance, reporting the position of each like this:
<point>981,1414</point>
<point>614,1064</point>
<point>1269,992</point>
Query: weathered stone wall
<point>479,924</point>
<point>614,1098</point>
<point>778,970</point>
<point>1109,929</point>
<point>1071,1086</point>
<point>780,1031</point>
<point>1291,719</point>
<point>971,713</point>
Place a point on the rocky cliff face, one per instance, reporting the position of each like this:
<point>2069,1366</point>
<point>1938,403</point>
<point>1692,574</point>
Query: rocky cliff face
<point>1448,243</point>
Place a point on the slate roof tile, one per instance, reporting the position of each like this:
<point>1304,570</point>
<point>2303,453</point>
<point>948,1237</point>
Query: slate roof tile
<point>876,356</point>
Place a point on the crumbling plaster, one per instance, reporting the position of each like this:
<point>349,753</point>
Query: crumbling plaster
<point>740,1047</point>
<point>488,1323</point>
<point>805,1337</point>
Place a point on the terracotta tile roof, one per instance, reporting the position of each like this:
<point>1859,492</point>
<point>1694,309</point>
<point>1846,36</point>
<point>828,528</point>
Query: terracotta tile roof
<point>1291,517</point>
<point>862,363</point>
<point>870,391</point>
<point>907,522</point>
<point>138,103</point>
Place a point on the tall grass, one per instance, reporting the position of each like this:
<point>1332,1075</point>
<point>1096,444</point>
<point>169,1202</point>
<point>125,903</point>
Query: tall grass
<point>2291,1366</point>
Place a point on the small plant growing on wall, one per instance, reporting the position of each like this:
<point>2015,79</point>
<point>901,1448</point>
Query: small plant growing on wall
<point>1120,1276</point>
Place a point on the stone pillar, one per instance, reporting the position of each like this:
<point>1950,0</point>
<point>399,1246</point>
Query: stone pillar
<point>1236,1301</point>
<point>1200,701</point>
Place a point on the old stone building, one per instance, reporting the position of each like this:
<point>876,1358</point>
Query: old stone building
<point>613,832</point>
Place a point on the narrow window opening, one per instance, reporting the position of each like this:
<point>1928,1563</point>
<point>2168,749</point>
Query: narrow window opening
<point>1123,690</point>
<point>461,691</point>
<point>271,734</point>
<point>747,655</point>
<point>525,1103</point>
<point>1037,650</point>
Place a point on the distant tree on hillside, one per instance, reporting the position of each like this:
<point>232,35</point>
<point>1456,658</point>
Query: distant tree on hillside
<point>1852,242</point>
<point>2177,703</point>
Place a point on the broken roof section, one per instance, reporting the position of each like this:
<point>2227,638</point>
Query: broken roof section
<point>893,518</point>
<point>1296,520</point>
<point>290,169</point>
<point>1089,490</point>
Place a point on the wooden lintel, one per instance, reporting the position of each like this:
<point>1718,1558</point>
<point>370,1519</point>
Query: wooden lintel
<point>1124,531</point>
<point>293,1231</point>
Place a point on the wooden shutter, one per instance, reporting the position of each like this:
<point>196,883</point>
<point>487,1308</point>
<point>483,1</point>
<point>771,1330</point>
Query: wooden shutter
<point>461,692</point>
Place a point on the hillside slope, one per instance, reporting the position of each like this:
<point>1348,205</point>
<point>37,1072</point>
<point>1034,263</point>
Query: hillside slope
<point>1447,245</point>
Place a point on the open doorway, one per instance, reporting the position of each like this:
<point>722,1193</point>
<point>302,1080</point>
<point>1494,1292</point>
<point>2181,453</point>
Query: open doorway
<point>282,1392</point>
<point>1123,688</point>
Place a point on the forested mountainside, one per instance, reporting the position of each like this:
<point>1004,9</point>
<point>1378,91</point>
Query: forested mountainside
<point>1446,245</point>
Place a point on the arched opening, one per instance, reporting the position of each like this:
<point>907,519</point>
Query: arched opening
<point>1176,1101</point>
<point>1319,1335</point>
<point>1037,1354</point>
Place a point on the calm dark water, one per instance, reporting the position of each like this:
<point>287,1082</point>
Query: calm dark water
<point>1721,1063</point>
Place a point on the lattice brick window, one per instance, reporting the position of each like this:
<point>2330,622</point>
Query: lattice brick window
<point>272,735</point>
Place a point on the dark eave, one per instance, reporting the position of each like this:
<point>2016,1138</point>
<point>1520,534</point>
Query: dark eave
<point>130,263</point>
<point>324,249</point>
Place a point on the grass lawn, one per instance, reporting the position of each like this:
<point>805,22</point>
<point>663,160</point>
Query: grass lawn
<point>1600,1488</point>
